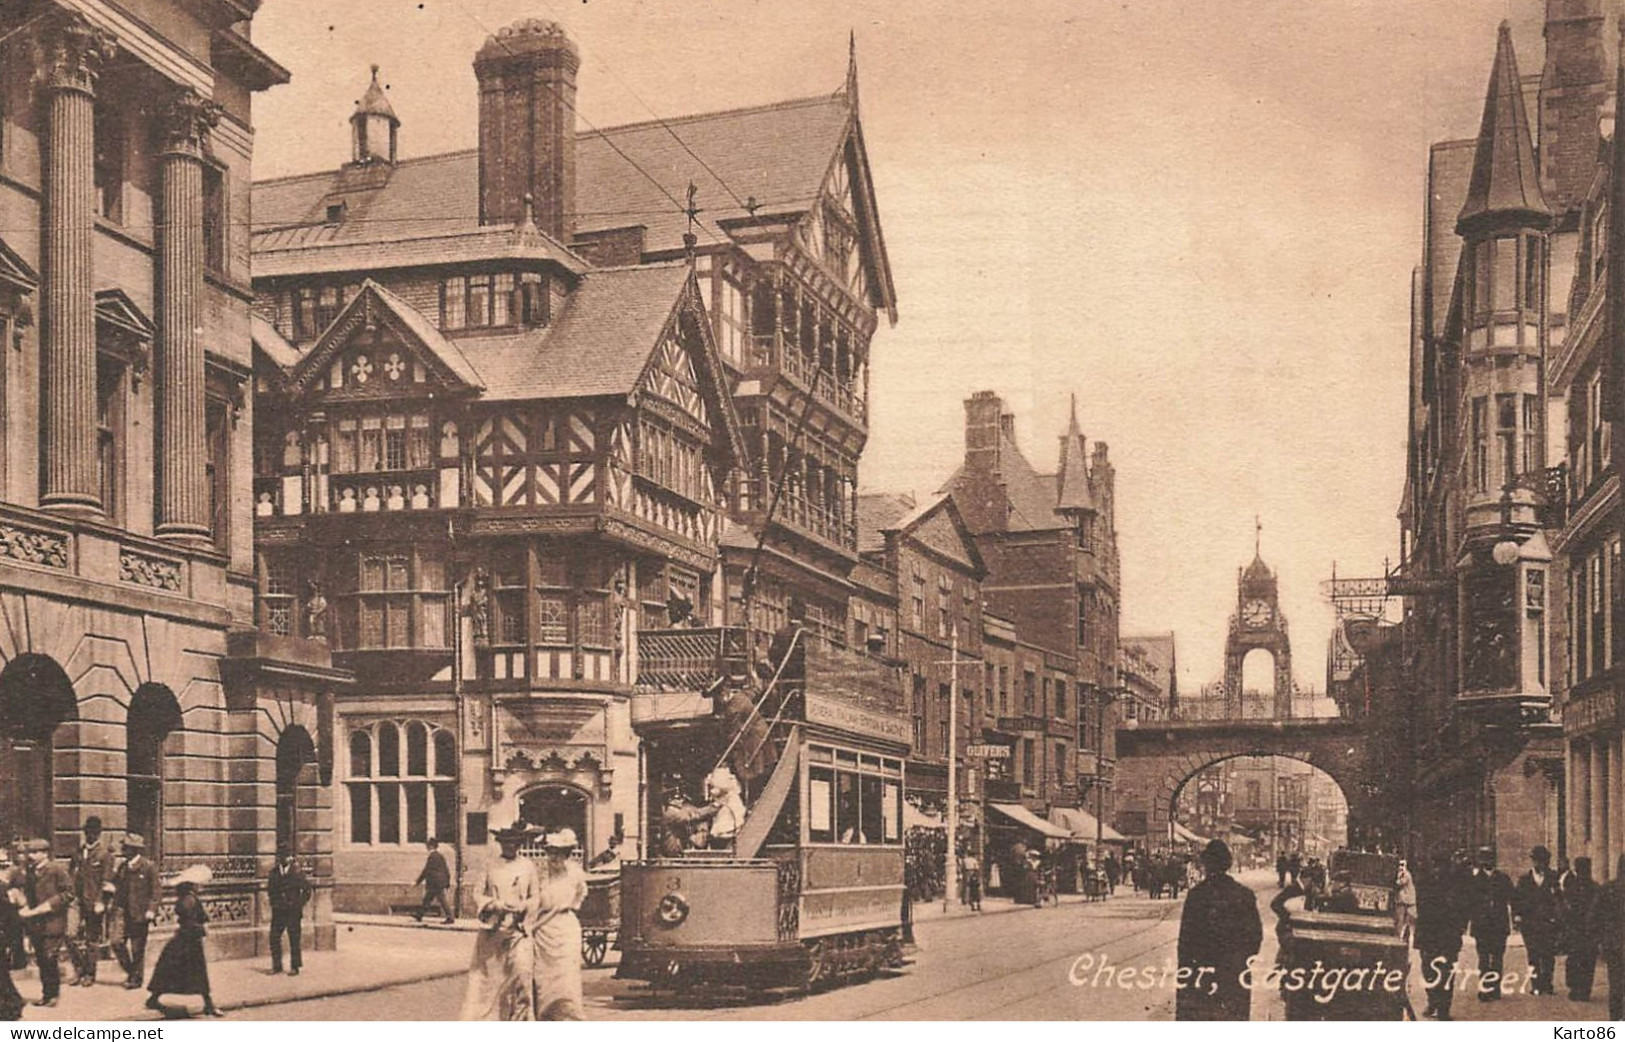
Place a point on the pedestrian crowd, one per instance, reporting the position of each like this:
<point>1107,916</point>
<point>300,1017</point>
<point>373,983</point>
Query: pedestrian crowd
<point>1561,912</point>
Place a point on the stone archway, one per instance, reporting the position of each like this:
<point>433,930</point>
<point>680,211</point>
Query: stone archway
<point>35,697</point>
<point>1156,760</point>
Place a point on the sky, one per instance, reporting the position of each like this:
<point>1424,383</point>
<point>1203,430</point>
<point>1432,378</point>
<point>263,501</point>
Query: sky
<point>1200,219</point>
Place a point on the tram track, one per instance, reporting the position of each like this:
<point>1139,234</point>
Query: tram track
<point>990,1011</point>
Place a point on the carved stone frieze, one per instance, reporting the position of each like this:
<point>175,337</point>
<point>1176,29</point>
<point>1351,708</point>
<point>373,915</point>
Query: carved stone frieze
<point>146,570</point>
<point>34,546</point>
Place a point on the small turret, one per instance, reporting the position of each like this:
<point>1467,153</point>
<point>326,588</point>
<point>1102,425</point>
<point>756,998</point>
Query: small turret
<point>374,127</point>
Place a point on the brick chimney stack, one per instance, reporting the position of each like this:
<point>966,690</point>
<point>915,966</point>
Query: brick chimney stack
<point>984,420</point>
<point>527,76</point>
<point>1574,88</point>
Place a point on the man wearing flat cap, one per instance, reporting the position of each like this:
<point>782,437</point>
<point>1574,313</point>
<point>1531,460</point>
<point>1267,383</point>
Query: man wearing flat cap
<point>48,890</point>
<point>92,886</point>
<point>1539,910</point>
<point>137,894</point>
<point>1218,932</point>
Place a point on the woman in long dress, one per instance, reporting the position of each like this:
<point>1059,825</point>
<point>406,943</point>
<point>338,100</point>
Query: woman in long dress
<point>558,931</point>
<point>181,969</point>
<point>500,979</point>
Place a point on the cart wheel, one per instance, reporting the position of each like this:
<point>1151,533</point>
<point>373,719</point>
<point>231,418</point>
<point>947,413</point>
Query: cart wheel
<point>593,947</point>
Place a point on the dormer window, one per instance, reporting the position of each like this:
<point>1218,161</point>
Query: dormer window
<point>477,301</point>
<point>335,213</point>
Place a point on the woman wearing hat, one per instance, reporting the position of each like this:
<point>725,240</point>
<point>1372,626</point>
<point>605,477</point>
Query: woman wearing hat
<point>558,931</point>
<point>182,969</point>
<point>500,979</point>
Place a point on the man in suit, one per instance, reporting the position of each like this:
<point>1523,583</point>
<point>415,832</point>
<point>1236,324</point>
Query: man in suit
<point>137,893</point>
<point>435,880</point>
<point>1539,918</point>
<point>289,892</point>
<point>1579,930</point>
<point>92,886</point>
<point>1490,898</point>
<point>1441,917</point>
<point>1608,920</point>
<point>48,889</point>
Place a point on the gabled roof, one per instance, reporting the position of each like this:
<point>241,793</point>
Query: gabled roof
<point>941,504</point>
<point>775,157</point>
<point>378,302</point>
<point>15,272</point>
<point>272,344</point>
<point>599,344</point>
<point>879,513</point>
<point>1073,492</point>
<point>1505,181</point>
<point>1031,495</point>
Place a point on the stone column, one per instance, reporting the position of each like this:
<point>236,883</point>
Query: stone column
<point>74,53</point>
<point>1601,803</point>
<point>183,502</point>
<point>1580,804</point>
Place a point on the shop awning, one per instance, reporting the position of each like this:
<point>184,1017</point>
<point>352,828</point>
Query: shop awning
<point>1082,825</point>
<point>1027,819</point>
<point>1181,832</point>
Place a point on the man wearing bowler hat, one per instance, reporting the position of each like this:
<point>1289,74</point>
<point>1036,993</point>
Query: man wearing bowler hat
<point>1539,911</point>
<point>137,894</point>
<point>92,886</point>
<point>289,892</point>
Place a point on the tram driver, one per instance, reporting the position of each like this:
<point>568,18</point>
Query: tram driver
<point>683,824</point>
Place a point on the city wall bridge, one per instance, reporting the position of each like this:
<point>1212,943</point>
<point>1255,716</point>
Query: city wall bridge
<point>1155,759</point>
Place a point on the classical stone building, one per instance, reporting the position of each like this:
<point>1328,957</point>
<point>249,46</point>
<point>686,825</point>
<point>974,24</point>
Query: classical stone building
<point>134,686</point>
<point>523,433</point>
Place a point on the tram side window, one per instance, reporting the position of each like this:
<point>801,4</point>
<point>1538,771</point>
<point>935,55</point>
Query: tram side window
<point>820,805</point>
<point>870,809</point>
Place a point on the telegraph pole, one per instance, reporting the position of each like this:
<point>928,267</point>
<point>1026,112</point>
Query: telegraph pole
<point>950,873</point>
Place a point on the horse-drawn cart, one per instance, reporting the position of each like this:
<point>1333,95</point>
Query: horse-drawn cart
<point>1345,959</point>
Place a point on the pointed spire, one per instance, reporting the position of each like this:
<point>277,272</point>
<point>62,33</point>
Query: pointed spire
<point>1072,487</point>
<point>852,69</point>
<point>1506,182</point>
<point>375,102</point>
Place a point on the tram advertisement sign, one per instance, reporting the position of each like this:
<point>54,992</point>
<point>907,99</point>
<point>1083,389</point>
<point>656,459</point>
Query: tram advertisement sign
<point>832,712</point>
<point>988,752</point>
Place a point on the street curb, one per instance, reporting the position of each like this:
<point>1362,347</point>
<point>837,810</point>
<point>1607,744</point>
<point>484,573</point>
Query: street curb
<point>337,992</point>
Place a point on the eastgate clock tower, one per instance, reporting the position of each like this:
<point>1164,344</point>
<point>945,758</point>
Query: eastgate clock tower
<point>1258,623</point>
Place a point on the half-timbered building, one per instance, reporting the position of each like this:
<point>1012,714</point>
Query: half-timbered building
<point>506,432</point>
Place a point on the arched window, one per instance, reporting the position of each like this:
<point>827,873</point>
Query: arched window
<point>417,749</point>
<point>361,754</point>
<point>154,713</point>
<point>389,750</point>
<point>389,807</point>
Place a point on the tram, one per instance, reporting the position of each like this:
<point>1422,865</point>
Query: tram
<point>810,890</point>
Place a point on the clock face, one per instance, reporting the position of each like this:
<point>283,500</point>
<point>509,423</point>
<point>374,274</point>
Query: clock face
<point>1256,613</point>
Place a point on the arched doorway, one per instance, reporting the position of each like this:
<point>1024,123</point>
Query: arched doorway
<point>154,715</point>
<point>553,806</point>
<point>35,697</point>
<point>296,784</point>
